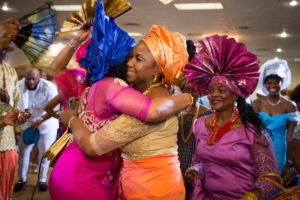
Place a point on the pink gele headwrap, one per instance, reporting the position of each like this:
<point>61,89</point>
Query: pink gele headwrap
<point>70,83</point>
<point>219,59</point>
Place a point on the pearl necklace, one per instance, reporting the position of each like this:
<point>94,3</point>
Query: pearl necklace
<point>274,104</point>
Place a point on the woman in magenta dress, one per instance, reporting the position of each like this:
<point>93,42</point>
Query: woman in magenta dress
<point>233,158</point>
<point>75,175</point>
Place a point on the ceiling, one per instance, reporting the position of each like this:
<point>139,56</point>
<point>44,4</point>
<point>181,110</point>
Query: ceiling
<point>255,22</point>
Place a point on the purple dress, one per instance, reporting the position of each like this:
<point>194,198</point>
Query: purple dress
<point>230,168</point>
<point>77,176</point>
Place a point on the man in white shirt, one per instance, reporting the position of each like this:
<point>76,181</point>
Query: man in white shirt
<point>35,93</point>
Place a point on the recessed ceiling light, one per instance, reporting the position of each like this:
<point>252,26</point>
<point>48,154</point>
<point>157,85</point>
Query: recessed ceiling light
<point>293,3</point>
<point>278,50</point>
<point>283,34</point>
<point>166,1</point>
<point>5,7</point>
<point>199,6</point>
<point>297,59</point>
<point>134,34</point>
<point>276,58</point>
<point>66,7</point>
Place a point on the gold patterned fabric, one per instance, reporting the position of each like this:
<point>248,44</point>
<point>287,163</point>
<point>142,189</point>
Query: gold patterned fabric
<point>142,144</point>
<point>9,81</point>
<point>169,51</point>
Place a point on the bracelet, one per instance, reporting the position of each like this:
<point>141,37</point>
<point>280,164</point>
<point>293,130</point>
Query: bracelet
<point>74,44</point>
<point>249,196</point>
<point>41,119</point>
<point>70,120</point>
<point>191,97</point>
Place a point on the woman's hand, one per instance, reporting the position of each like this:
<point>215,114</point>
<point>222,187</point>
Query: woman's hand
<point>65,115</point>
<point>83,35</point>
<point>289,174</point>
<point>191,174</point>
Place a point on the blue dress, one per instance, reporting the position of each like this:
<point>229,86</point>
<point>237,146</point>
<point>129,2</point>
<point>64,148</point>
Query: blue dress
<point>277,124</point>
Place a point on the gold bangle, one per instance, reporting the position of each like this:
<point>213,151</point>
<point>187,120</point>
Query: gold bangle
<point>70,120</point>
<point>249,196</point>
<point>191,97</point>
<point>41,119</point>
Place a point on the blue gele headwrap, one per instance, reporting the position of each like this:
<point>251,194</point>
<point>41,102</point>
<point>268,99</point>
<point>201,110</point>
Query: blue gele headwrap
<point>109,46</point>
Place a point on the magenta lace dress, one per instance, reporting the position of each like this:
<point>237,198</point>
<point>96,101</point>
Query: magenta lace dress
<point>77,176</point>
<point>230,168</point>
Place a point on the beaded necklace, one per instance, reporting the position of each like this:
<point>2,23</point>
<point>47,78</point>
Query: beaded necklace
<point>186,139</point>
<point>215,133</point>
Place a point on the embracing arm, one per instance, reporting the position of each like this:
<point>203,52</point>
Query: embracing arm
<point>112,136</point>
<point>61,61</point>
<point>127,100</point>
<point>164,107</point>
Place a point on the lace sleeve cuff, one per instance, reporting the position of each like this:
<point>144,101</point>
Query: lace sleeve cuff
<point>117,133</point>
<point>265,164</point>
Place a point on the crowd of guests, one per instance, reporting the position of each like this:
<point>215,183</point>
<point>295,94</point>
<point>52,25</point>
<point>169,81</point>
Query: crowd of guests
<point>138,129</point>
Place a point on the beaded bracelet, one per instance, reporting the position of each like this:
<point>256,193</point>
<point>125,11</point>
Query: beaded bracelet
<point>74,44</point>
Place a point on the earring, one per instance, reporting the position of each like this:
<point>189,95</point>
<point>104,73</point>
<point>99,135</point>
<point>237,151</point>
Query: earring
<point>155,78</point>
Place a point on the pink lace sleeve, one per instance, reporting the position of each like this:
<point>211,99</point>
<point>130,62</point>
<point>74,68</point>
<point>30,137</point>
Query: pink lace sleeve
<point>123,98</point>
<point>264,157</point>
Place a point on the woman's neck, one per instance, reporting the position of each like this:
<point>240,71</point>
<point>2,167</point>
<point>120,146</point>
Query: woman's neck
<point>274,97</point>
<point>143,86</point>
<point>224,115</point>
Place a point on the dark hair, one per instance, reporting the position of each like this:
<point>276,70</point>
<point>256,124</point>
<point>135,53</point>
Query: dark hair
<point>191,49</point>
<point>249,116</point>
<point>273,77</point>
<point>118,71</point>
<point>295,95</point>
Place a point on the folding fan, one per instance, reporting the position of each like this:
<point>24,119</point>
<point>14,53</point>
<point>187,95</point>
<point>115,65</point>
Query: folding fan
<point>38,30</point>
<point>85,17</point>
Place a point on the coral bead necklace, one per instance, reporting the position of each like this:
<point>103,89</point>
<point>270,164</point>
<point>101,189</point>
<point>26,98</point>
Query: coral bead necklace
<point>215,133</point>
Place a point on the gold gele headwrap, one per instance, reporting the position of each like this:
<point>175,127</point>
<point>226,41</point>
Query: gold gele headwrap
<point>169,51</point>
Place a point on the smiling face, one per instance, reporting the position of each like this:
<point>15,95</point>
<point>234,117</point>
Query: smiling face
<point>141,66</point>
<point>220,97</point>
<point>273,84</point>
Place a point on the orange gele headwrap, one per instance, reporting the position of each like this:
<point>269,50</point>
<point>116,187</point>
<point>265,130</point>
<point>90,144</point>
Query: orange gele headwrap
<point>169,51</point>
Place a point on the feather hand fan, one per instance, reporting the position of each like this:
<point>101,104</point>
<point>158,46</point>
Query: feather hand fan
<point>85,17</point>
<point>38,30</point>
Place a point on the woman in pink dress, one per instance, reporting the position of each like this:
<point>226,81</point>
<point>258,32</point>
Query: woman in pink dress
<point>233,158</point>
<point>75,175</point>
